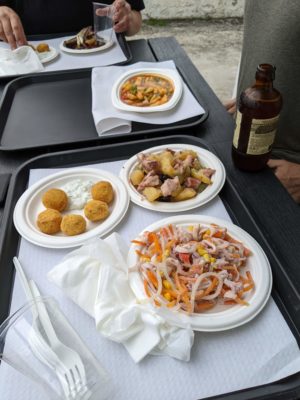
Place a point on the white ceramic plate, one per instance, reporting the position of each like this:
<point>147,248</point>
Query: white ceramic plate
<point>224,318</point>
<point>207,159</point>
<point>48,55</point>
<point>30,205</point>
<point>85,51</point>
<point>170,74</point>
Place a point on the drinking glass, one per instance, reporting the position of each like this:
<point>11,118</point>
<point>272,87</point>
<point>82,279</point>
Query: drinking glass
<point>17,351</point>
<point>103,24</point>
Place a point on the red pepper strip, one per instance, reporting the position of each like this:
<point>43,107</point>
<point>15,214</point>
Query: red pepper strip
<point>164,232</point>
<point>140,254</point>
<point>146,287</point>
<point>171,229</point>
<point>153,238</point>
<point>152,278</point>
<point>184,257</point>
<point>139,243</point>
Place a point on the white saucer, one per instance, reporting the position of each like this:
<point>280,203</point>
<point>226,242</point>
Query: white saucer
<point>47,56</point>
<point>207,159</point>
<point>169,74</point>
<point>85,51</point>
<point>223,319</point>
<point>30,205</point>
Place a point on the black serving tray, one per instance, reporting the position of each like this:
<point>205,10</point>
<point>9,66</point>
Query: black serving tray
<point>120,38</point>
<point>53,109</point>
<point>283,290</point>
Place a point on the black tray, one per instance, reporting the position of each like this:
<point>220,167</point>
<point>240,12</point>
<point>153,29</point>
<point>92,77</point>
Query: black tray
<point>120,38</point>
<point>53,109</point>
<point>283,290</point>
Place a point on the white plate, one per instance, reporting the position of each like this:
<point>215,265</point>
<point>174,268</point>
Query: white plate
<point>227,318</point>
<point>30,205</point>
<point>47,55</point>
<point>85,51</point>
<point>170,74</point>
<point>207,159</point>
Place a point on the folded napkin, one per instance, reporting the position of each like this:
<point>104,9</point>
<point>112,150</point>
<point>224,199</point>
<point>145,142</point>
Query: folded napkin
<point>95,277</point>
<point>110,120</point>
<point>22,60</point>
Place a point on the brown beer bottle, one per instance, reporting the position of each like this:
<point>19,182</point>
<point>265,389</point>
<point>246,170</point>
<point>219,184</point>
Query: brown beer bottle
<point>256,121</point>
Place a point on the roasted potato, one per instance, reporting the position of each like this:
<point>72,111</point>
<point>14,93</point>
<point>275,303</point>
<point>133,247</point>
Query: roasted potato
<point>152,193</point>
<point>187,193</point>
<point>136,177</point>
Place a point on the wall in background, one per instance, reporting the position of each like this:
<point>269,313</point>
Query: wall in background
<point>184,9</point>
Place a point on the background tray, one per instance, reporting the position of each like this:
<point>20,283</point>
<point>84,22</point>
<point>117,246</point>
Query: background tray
<point>54,109</point>
<point>120,37</point>
<point>286,389</point>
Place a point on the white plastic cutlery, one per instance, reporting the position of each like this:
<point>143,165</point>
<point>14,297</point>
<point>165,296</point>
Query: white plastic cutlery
<point>49,349</point>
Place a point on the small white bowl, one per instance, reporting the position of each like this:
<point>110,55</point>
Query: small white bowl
<point>169,74</point>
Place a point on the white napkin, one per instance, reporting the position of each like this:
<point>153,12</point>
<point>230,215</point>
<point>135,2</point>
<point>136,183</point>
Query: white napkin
<point>110,120</point>
<point>22,60</point>
<point>95,277</point>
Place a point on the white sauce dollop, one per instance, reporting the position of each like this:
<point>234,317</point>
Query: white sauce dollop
<point>78,192</point>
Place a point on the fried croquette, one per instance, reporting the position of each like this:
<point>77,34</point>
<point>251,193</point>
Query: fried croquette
<point>56,199</point>
<point>73,224</point>
<point>96,210</point>
<point>102,191</point>
<point>42,48</point>
<point>49,221</point>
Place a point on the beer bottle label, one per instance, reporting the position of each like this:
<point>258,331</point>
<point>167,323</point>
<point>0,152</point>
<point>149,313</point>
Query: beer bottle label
<point>236,135</point>
<point>261,135</point>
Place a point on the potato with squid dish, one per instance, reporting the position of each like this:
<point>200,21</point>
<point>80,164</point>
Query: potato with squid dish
<point>170,176</point>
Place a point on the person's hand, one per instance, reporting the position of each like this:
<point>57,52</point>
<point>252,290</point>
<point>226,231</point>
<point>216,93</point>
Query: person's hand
<point>230,106</point>
<point>125,19</point>
<point>11,29</point>
<point>121,16</point>
<point>289,175</point>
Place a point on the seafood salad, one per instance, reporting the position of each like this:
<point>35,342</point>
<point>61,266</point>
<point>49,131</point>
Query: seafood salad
<point>193,268</point>
<point>146,90</point>
<point>170,175</point>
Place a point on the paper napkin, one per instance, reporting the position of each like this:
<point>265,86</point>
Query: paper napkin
<point>108,119</point>
<point>95,277</point>
<point>22,60</point>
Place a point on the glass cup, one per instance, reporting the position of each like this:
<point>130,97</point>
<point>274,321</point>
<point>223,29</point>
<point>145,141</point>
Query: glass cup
<point>32,366</point>
<point>103,21</point>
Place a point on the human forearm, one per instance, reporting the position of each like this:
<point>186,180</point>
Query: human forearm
<point>289,175</point>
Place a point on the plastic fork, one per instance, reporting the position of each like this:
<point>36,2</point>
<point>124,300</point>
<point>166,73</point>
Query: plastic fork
<point>68,364</point>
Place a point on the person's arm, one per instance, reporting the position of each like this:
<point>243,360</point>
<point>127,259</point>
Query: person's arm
<point>11,29</point>
<point>289,175</point>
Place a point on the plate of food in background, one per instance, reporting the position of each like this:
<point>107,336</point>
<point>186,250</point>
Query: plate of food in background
<point>67,208</point>
<point>85,42</point>
<point>147,90</point>
<point>199,271</point>
<point>173,178</point>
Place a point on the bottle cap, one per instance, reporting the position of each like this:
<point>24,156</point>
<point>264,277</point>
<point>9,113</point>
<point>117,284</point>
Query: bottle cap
<point>266,71</point>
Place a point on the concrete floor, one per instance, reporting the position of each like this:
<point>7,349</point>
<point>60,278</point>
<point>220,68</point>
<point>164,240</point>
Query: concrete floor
<point>214,46</point>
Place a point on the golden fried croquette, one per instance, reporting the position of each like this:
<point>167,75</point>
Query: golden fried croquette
<point>49,221</point>
<point>103,191</point>
<point>96,210</point>
<point>56,199</point>
<point>73,224</point>
<point>42,48</point>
